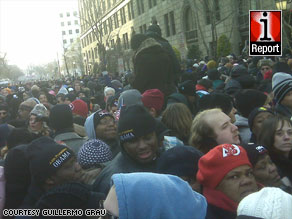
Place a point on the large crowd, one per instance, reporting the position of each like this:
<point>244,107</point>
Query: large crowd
<point>212,139</point>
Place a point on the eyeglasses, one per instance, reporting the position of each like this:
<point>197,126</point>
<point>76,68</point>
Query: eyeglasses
<point>108,214</point>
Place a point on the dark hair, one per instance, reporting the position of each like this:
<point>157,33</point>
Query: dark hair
<point>268,130</point>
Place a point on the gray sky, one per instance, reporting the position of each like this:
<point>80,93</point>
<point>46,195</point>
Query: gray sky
<point>30,30</point>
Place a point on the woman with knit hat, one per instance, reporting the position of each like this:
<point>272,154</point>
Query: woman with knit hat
<point>37,121</point>
<point>264,169</point>
<point>226,176</point>
<point>282,89</point>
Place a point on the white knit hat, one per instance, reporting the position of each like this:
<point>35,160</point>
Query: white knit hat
<point>268,203</point>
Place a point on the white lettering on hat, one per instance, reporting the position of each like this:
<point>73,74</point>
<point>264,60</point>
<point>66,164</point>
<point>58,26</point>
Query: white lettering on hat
<point>71,106</point>
<point>229,150</point>
<point>260,149</point>
<point>127,136</point>
<point>61,159</point>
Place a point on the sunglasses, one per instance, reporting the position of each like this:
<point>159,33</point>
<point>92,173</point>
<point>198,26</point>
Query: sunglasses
<point>108,214</point>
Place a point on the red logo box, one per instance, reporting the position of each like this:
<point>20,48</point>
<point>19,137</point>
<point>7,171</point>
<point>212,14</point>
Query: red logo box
<point>265,33</point>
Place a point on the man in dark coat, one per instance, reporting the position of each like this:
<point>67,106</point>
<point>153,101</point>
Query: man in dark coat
<point>139,144</point>
<point>154,32</point>
<point>50,164</point>
<point>61,120</point>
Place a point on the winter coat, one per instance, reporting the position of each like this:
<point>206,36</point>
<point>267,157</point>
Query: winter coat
<point>153,68</point>
<point>122,163</point>
<point>17,175</point>
<point>214,212</point>
<point>219,205</point>
<point>283,164</point>
<point>167,47</point>
<point>71,139</point>
<point>33,195</point>
<point>146,196</point>
<point>243,128</point>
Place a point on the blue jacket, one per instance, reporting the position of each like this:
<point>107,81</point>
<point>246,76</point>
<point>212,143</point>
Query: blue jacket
<point>150,195</point>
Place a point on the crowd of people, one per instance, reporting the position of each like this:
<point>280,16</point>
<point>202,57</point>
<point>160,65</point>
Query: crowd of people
<point>213,140</point>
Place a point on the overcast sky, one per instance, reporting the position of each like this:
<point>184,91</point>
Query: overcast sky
<point>30,30</point>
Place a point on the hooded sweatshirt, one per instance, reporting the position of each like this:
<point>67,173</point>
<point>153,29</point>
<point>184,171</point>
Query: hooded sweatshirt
<point>167,196</point>
<point>243,128</point>
<point>90,131</point>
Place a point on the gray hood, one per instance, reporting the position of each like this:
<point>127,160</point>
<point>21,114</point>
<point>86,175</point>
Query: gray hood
<point>89,127</point>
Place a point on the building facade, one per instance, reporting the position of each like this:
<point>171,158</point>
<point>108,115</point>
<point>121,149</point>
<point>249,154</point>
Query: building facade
<point>69,26</point>
<point>183,23</point>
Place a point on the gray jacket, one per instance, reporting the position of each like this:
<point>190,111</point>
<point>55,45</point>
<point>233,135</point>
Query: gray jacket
<point>72,140</point>
<point>243,128</point>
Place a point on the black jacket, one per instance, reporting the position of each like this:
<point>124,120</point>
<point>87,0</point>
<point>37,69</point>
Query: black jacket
<point>283,164</point>
<point>153,68</point>
<point>122,163</point>
<point>214,212</point>
<point>33,195</point>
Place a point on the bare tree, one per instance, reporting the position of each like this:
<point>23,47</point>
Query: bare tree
<point>213,16</point>
<point>93,18</point>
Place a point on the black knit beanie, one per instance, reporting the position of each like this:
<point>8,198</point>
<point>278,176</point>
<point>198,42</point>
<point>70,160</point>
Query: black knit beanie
<point>179,161</point>
<point>46,158</point>
<point>187,88</point>
<point>255,112</point>
<point>99,115</point>
<point>216,100</point>
<point>61,117</point>
<point>248,99</point>
<point>254,152</point>
<point>135,122</point>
